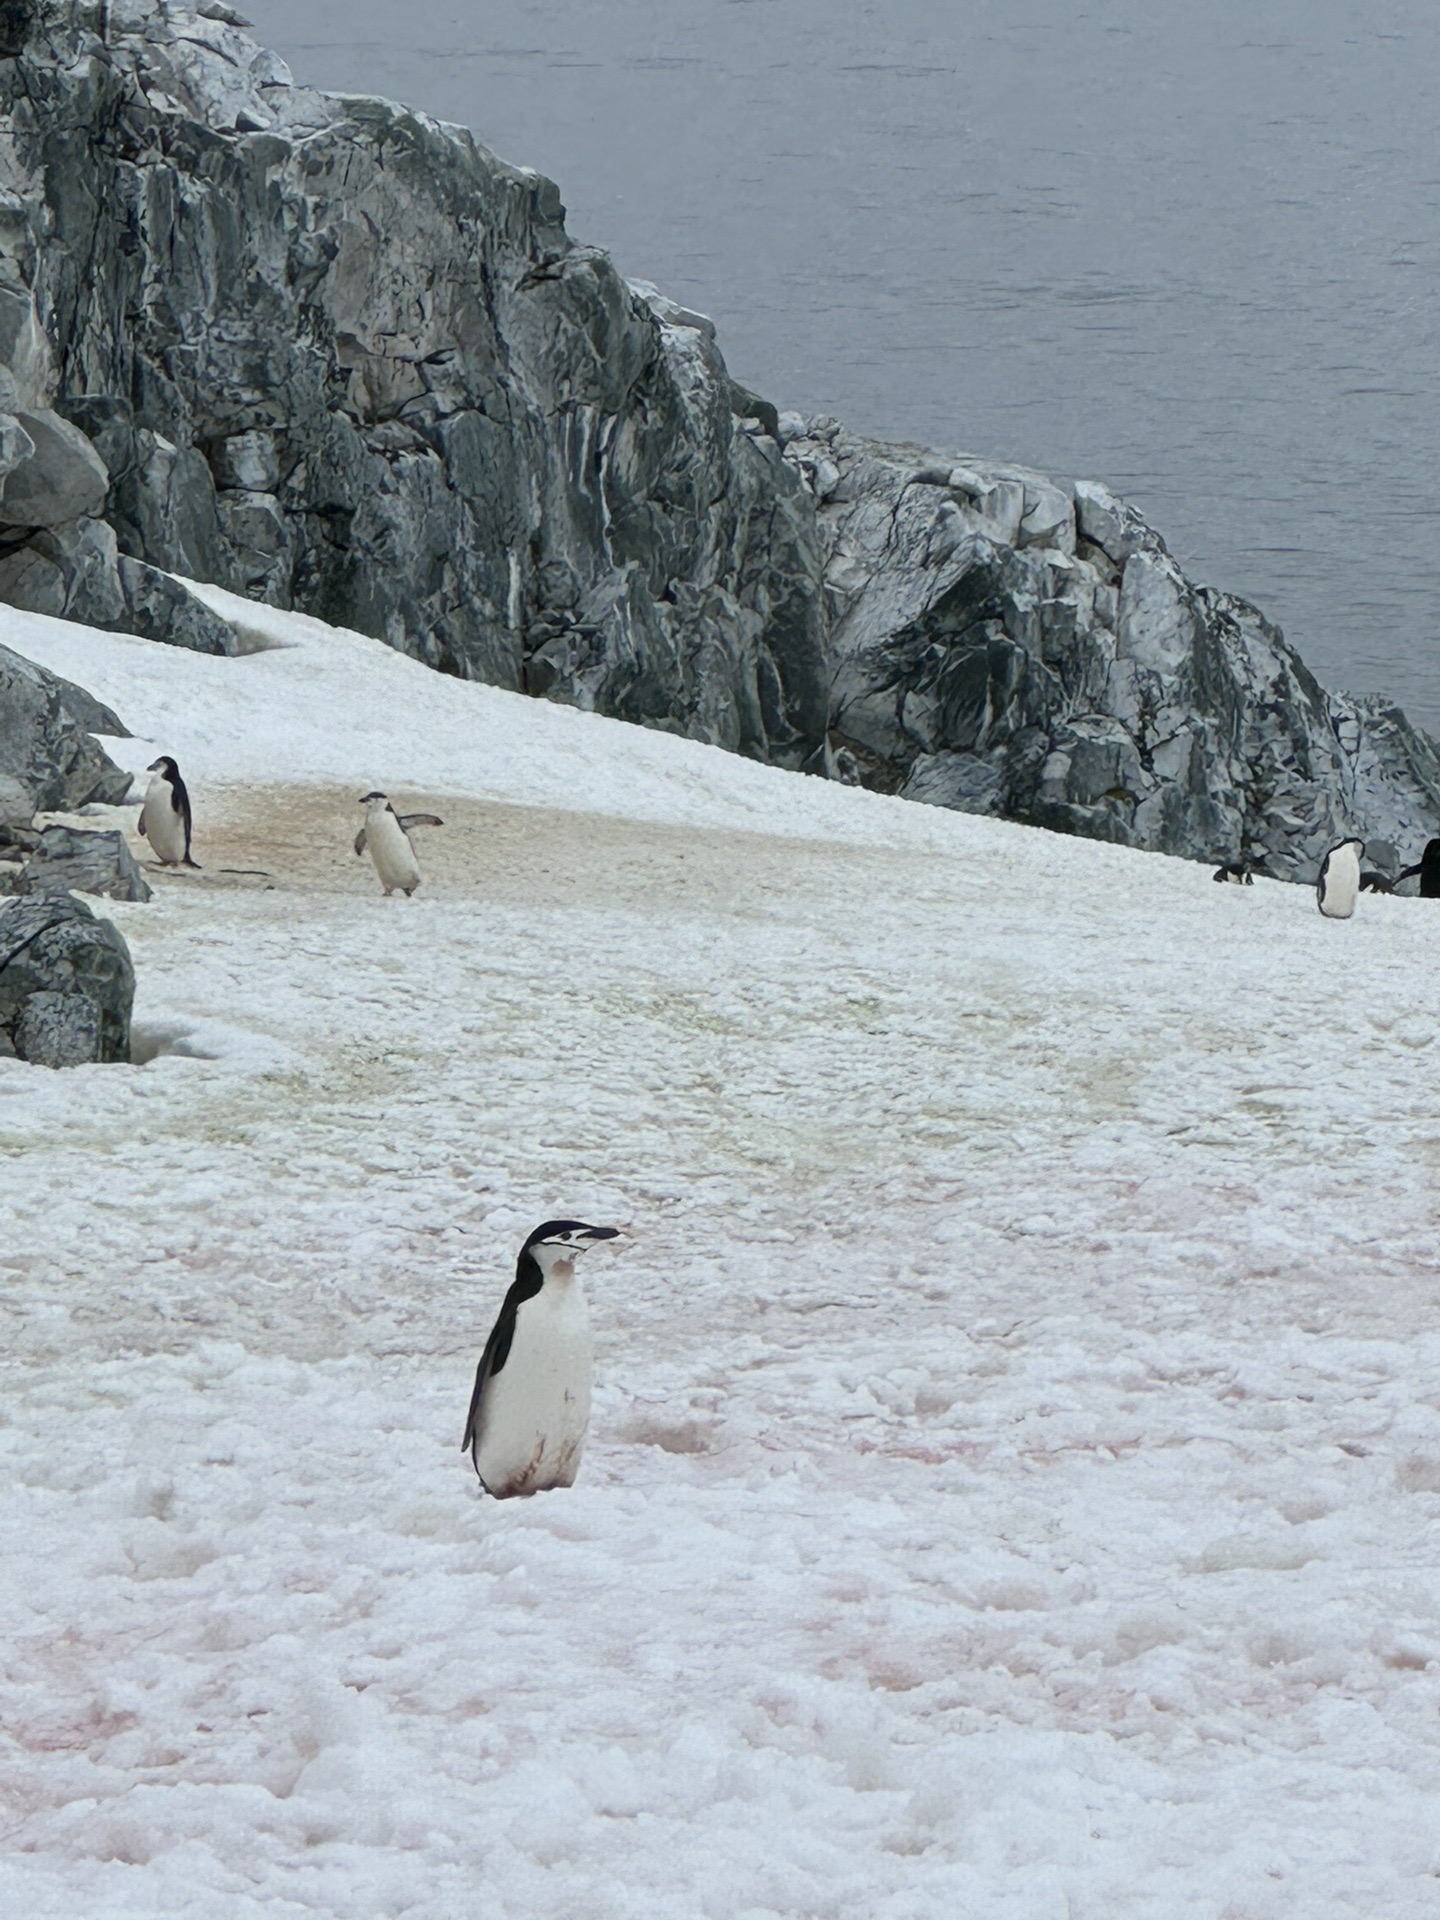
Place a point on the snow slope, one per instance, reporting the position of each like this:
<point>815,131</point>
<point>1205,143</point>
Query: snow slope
<point>1014,1486</point>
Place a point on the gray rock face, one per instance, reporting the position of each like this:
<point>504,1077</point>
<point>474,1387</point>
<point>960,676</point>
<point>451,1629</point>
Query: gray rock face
<point>335,355</point>
<point>73,859</point>
<point>66,983</point>
<point>331,354</point>
<point>48,760</point>
<point>997,653</point>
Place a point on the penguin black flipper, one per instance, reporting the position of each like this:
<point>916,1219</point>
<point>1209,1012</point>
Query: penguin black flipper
<point>182,807</point>
<point>140,829</point>
<point>409,820</point>
<point>360,841</point>
<point>526,1284</point>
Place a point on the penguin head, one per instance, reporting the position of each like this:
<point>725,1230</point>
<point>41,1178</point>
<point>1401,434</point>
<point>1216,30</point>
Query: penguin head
<point>374,800</point>
<point>554,1245</point>
<point>166,766</point>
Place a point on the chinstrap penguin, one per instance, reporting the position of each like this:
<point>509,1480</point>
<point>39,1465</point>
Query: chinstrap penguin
<point>531,1406</point>
<point>1376,883</point>
<point>165,816</point>
<point>1428,868</point>
<point>1234,873</point>
<point>1339,880</point>
<point>387,835</point>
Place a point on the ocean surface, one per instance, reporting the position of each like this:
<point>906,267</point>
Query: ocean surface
<point>1191,250</point>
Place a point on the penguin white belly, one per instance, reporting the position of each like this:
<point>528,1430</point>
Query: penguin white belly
<point>164,828</point>
<point>1342,885</point>
<point>392,853</point>
<point>535,1412</point>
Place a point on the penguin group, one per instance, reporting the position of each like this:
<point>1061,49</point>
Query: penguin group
<point>1341,879</point>
<point>529,1412</point>
<point>530,1407</point>
<point>167,822</point>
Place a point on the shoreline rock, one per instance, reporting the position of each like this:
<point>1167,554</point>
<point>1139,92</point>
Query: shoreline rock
<point>330,353</point>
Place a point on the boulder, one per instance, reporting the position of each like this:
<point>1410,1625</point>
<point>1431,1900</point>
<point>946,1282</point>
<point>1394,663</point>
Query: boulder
<point>66,983</point>
<point>81,860</point>
<point>162,608</point>
<point>62,478</point>
<point>48,759</point>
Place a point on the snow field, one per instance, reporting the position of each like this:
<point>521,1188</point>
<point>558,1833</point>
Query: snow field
<point>1015,1468</point>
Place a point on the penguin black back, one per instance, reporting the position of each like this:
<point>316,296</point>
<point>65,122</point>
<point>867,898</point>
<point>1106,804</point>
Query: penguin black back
<point>526,1284</point>
<point>166,765</point>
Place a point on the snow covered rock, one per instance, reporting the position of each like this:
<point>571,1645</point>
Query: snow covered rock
<point>72,858</point>
<point>66,983</point>
<point>48,760</point>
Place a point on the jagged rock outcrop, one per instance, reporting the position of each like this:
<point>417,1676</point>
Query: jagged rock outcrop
<point>1005,645</point>
<point>57,556</point>
<point>48,760</point>
<point>66,983</point>
<point>332,354</point>
<point>335,355</point>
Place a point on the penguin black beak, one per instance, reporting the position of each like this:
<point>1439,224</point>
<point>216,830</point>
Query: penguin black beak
<point>602,1233</point>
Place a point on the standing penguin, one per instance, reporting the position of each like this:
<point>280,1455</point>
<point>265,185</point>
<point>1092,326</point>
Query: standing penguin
<point>1339,880</point>
<point>165,816</point>
<point>531,1405</point>
<point>387,834</point>
<point>1428,870</point>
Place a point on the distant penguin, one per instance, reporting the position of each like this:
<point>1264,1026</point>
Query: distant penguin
<point>1235,873</point>
<point>531,1406</point>
<point>1428,870</point>
<point>387,835</point>
<point>1339,880</point>
<point>165,816</point>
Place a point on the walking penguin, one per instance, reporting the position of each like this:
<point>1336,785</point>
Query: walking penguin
<point>387,835</point>
<point>531,1406</point>
<point>1339,880</point>
<point>165,816</point>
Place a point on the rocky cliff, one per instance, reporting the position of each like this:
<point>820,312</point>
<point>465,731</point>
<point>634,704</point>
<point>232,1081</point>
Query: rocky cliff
<point>333,354</point>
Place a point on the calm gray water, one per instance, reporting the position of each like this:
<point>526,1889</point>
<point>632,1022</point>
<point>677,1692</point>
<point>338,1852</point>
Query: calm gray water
<point>1190,249</point>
